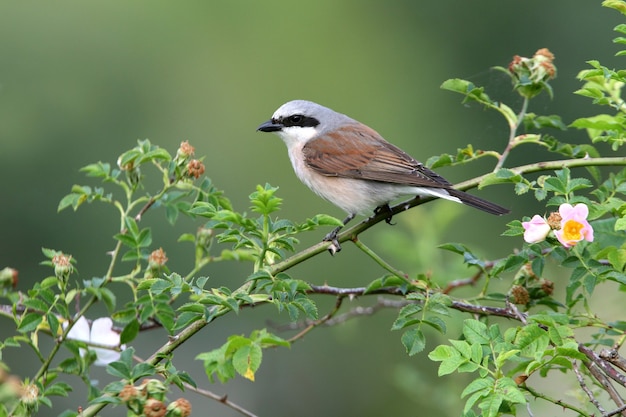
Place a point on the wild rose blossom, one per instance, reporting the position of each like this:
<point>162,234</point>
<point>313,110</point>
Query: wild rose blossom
<point>101,333</point>
<point>570,226</point>
<point>574,225</point>
<point>536,230</point>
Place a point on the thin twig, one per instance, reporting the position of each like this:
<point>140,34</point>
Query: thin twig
<point>595,370</point>
<point>220,398</point>
<point>471,281</point>
<point>612,356</point>
<point>518,314</point>
<point>603,365</point>
<point>352,313</point>
<point>560,403</point>
<point>319,322</point>
<point>585,388</point>
<point>209,394</point>
<point>615,412</point>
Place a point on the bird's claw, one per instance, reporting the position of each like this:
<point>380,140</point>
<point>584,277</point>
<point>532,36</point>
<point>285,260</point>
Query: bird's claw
<point>385,209</point>
<point>334,243</point>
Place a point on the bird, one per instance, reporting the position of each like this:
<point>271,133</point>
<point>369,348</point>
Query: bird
<point>353,167</point>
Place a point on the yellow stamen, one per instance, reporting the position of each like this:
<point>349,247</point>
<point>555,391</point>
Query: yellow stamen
<point>571,230</point>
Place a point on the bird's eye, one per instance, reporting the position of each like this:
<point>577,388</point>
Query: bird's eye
<point>296,119</point>
<point>299,120</point>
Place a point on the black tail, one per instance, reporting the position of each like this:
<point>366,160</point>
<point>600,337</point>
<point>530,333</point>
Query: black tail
<point>478,203</point>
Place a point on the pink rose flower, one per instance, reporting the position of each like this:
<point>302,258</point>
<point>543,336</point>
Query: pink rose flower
<point>536,229</point>
<point>574,225</point>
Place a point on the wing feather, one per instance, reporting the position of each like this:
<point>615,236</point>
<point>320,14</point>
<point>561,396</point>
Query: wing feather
<point>357,151</point>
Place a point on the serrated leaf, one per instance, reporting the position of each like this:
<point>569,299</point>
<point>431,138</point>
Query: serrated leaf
<point>532,339</point>
<point>326,220</point>
<point>247,360</point>
<point>462,347</point>
<point>491,405</point>
<point>142,370</point>
<point>130,332</point>
<point>450,359</point>
<point>475,331</point>
<point>29,322</point>
<point>483,385</point>
<point>413,341</point>
<point>119,369</point>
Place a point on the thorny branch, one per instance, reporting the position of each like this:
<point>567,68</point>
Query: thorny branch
<point>599,365</point>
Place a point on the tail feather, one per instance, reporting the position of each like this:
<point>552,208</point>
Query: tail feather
<point>478,203</point>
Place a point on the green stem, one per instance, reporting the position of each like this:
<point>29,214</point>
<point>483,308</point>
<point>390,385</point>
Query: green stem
<point>380,261</point>
<point>350,233</point>
<point>554,401</point>
<point>512,135</point>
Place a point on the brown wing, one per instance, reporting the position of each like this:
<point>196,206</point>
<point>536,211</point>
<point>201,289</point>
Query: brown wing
<point>363,154</point>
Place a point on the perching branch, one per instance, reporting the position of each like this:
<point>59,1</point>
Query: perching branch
<point>359,228</point>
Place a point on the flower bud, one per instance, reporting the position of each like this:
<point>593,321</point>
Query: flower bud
<point>8,278</point>
<point>547,287</point>
<point>129,393</point>
<point>519,295</point>
<point>62,268</point>
<point>132,171</point>
<point>157,258</point>
<point>179,408</point>
<point>204,239</point>
<point>195,168</point>
<point>154,408</point>
<point>530,75</point>
<point>554,220</point>
<point>153,388</point>
<point>29,395</point>
<point>185,151</point>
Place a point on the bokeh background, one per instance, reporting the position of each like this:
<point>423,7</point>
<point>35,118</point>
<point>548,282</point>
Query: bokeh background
<point>80,82</point>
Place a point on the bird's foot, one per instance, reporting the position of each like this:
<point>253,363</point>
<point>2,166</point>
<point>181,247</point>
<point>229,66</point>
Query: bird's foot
<point>334,243</point>
<point>385,209</point>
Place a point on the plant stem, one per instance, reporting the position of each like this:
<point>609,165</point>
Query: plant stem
<point>554,401</point>
<point>380,261</point>
<point>512,135</point>
<point>463,186</point>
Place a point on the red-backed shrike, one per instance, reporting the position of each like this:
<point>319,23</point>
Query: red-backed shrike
<point>352,166</point>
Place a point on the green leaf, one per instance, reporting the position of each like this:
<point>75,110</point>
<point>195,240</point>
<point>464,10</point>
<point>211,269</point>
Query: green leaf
<point>119,369</point>
<point>510,391</point>
<point>29,322</point>
<point>450,359</point>
<point>130,332</point>
<point>325,220</point>
<point>263,200</point>
<point>502,176</point>
<point>475,332</point>
<point>73,199</point>
<point>491,405</point>
<point>247,360</point>
<point>58,388</point>
<point>98,169</point>
<point>142,370</point>
<point>483,385</point>
<point>531,339</point>
<point>462,347</point>
<point>413,341</point>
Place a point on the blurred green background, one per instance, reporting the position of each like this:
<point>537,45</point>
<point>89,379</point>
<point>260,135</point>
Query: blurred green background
<point>82,81</point>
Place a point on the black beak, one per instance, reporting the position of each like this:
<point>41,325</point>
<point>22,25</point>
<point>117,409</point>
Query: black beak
<point>270,126</point>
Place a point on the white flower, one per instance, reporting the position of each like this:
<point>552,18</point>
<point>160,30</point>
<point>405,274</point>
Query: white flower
<point>536,230</point>
<point>101,333</point>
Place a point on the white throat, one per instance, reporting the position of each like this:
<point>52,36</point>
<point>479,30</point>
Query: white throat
<point>296,135</point>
